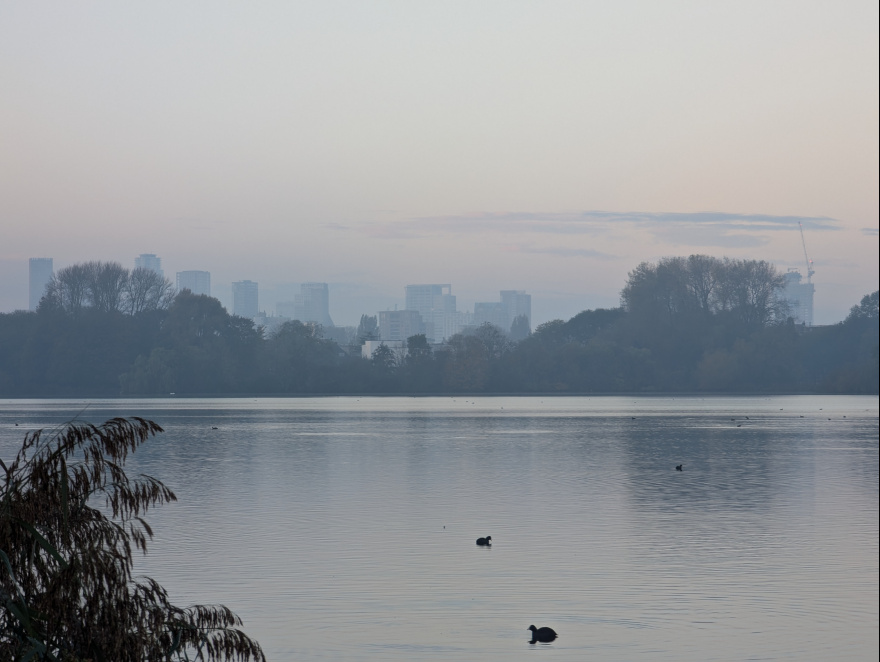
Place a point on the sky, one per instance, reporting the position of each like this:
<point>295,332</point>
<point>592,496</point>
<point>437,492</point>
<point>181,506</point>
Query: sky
<point>542,146</point>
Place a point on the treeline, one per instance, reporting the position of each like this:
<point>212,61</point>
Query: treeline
<point>107,287</point>
<point>696,324</point>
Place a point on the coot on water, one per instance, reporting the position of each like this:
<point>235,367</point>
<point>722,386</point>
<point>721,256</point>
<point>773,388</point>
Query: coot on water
<point>544,635</point>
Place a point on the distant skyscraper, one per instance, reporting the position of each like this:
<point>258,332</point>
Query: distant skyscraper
<point>513,304</point>
<point>197,282</point>
<point>245,299</point>
<point>39,274</point>
<point>799,297</point>
<point>312,304</point>
<point>399,324</point>
<point>516,303</point>
<point>436,305</point>
<point>149,261</point>
<point>492,312</point>
<point>427,298</point>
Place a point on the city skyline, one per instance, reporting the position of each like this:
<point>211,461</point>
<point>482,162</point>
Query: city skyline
<point>312,303</point>
<point>502,145</point>
<point>433,302</point>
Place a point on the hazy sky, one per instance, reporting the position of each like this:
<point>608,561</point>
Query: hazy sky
<point>545,146</point>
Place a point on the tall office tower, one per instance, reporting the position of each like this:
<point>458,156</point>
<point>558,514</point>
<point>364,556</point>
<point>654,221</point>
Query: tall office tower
<point>245,299</point>
<point>513,304</point>
<point>39,274</point>
<point>397,325</point>
<point>197,282</point>
<point>492,312</point>
<point>425,298</point>
<point>436,305</point>
<point>149,261</point>
<point>447,325</point>
<point>516,303</point>
<point>312,304</point>
<point>799,297</point>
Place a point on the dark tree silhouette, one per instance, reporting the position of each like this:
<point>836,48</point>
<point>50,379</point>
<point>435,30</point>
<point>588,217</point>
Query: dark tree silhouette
<point>107,287</point>
<point>868,308</point>
<point>66,585</point>
<point>147,290</point>
<point>696,323</point>
<point>417,349</point>
<point>384,359</point>
<point>68,289</point>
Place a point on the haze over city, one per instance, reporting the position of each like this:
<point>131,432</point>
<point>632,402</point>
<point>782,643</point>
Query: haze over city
<point>494,146</point>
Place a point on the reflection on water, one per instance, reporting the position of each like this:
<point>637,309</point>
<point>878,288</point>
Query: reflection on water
<point>344,528</point>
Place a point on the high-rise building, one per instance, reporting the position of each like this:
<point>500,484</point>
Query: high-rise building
<point>399,324</point>
<point>245,299</point>
<point>436,304</point>
<point>492,312</point>
<point>446,325</point>
<point>197,282</point>
<point>426,298</point>
<point>312,304</point>
<point>149,261</point>
<point>799,297</point>
<point>516,303</point>
<point>513,304</point>
<point>39,274</point>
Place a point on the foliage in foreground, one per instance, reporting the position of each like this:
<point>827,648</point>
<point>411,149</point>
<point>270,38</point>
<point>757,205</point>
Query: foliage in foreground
<point>66,585</point>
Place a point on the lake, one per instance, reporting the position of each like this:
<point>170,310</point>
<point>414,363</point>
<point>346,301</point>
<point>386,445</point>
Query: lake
<point>345,528</point>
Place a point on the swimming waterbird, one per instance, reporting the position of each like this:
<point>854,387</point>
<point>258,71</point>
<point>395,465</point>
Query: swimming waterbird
<point>544,635</point>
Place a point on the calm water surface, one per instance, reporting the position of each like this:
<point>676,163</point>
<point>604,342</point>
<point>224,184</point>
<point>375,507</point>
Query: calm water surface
<point>344,528</point>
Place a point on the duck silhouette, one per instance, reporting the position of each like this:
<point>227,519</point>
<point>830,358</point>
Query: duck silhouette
<point>544,635</point>
<point>485,542</point>
<point>679,467</point>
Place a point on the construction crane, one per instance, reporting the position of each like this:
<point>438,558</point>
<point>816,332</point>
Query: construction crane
<point>810,271</point>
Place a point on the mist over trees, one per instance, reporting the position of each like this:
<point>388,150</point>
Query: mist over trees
<point>694,324</point>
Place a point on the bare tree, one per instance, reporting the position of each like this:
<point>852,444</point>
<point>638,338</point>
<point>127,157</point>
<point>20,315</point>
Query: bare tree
<point>658,290</point>
<point>147,290</point>
<point>493,338</point>
<point>704,273</point>
<point>675,285</point>
<point>68,289</point>
<point>751,289</point>
<point>106,285</point>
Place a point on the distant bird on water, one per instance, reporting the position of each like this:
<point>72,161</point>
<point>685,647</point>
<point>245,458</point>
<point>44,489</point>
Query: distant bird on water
<point>544,635</point>
<point>485,542</point>
<point>679,467</point>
